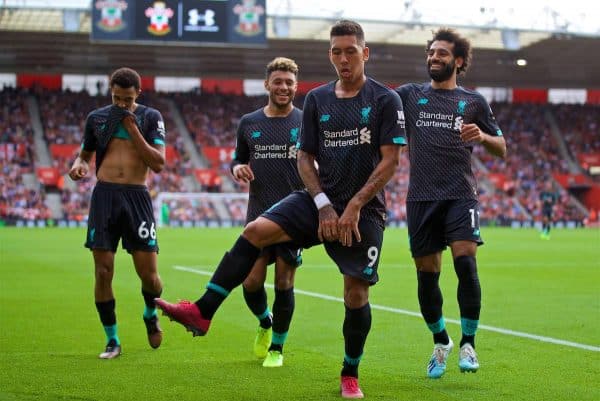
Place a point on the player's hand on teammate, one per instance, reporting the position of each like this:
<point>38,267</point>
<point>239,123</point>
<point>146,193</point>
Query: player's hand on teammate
<point>328,224</point>
<point>243,173</point>
<point>471,133</point>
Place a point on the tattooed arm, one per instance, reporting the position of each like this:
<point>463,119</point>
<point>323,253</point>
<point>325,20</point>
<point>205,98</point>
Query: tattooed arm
<point>348,223</point>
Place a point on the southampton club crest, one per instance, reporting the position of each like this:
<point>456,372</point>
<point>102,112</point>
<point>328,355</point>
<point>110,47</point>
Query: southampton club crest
<point>111,15</point>
<point>249,17</point>
<point>159,15</point>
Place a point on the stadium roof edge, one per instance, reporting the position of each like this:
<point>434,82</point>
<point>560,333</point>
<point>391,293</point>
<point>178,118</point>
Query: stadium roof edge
<point>299,26</point>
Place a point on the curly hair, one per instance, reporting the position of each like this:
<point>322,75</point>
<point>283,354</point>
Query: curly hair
<point>462,46</point>
<point>126,78</point>
<point>282,64</point>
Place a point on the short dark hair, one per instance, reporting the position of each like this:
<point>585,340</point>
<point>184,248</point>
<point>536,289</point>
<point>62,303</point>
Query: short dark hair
<point>347,27</point>
<point>462,46</point>
<point>126,78</point>
<point>282,64</point>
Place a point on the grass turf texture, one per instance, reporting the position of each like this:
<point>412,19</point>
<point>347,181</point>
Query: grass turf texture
<point>51,334</point>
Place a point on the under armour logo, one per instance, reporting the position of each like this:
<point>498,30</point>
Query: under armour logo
<point>292,152</point>
<point>365,135</point>
<point>194,17</point>
<point>458,122</point>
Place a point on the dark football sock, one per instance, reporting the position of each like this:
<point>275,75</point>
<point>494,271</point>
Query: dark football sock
<point>150,306</point>
<point>231,272</point>
<point>357,324</point>
<point>469,296</point>
<point>106,310</point>
<point>430,302</point>
<point>257,303</point>
<point>283,309</point>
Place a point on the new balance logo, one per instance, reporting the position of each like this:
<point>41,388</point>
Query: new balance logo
<point>324,118</point>
<point>461,107</point>
<point>255,134</point>
<point>422,101</point>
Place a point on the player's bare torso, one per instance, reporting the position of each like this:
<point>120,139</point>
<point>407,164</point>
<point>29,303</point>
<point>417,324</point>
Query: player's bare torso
<point>122,164</point>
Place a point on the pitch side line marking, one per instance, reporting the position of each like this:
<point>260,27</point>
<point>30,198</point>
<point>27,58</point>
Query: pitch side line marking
<point>416,314</point>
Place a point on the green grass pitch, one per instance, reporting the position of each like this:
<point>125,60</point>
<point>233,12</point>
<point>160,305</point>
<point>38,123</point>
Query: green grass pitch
<point>540,338</point>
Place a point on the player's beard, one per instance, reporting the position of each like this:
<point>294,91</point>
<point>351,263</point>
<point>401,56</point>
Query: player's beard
<point>279,105</point>
<point>444,74</point>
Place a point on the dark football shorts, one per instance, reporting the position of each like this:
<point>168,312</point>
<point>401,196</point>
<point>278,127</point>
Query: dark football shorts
<point>288,251</point>
<point>433,225</point>
<point>547,212</point>
<point>121,211</point>
<point>298,216</point>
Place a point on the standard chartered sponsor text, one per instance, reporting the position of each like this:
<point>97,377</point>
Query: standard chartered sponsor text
<point>331,141</point>
<point>437,120</point>
<point>272,151</point>
<point>341,134</point>
<point>259,148</point>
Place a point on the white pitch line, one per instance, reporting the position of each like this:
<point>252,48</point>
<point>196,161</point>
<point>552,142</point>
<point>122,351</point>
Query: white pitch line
<point>417,314</point>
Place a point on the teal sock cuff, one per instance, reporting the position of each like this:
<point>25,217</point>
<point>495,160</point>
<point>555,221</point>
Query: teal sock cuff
<point>468,326</point>
<point>438,326</point>
<point>263,315</point>
<point>111,333</point>
<point>149,312</point>
<point>279,338</point>
<point>218,289</point>
<point>352,361</point>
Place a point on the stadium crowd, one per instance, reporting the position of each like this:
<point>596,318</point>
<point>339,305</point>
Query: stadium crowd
<point>211,121</point>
